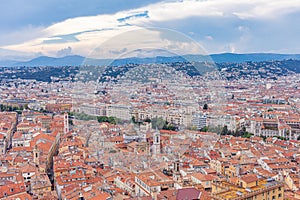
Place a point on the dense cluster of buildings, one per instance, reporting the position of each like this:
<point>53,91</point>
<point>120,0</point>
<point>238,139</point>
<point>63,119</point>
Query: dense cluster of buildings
<point>27,160</point>
<point>95,160</point>
<point>47,154</point>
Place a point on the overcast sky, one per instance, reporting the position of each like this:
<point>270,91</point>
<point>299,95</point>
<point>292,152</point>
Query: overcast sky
<point>30,28</point>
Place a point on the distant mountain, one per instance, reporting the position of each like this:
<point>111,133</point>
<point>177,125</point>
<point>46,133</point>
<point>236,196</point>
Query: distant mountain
<point>50,61</point>
<point>255,57</point>
<point>76,60</point>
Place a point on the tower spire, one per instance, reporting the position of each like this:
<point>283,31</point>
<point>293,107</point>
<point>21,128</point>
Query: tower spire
<point>66,123</point>
<point>156,142</point>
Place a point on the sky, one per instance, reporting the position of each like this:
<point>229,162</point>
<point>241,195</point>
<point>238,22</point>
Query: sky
<point>116,28</point>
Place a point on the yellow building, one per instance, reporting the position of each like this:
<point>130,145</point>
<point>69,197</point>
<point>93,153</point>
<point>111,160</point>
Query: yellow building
<point>216,165</point>
<point>232,171</point>
<point>220,165</point>
<point>247,187</point>
<point>293,181</point>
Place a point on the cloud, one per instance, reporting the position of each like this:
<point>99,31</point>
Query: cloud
<point>6,54</point>
<point>23,35</point>
<point>121,51</point>
<point>226,25</point>
<point>64,52</point>
<point>209,37</point>
<point>61,39</point>
<point>16,14</point>
<point>268,9</point>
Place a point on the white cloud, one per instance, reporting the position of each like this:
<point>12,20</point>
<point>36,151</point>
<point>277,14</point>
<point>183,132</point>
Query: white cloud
<point>25,34</point>
<point>64,52</point>
<point>209,37</point>
<point>6,54</point>
<point>95,30</point>
<point>268,9</point>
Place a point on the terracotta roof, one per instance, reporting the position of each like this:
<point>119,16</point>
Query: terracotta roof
<point>102,196</point>
<point>12,189</point>
<point>188,193</point>
<point>2,136</point>
<point>249,178</point>
<point>22,196</point>
<point>203,177</point>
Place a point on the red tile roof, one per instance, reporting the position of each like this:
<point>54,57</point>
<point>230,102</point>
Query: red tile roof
<point>188,193</point>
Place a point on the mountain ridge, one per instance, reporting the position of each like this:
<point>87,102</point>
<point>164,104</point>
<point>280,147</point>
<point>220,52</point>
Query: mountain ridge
<point>77,60</point>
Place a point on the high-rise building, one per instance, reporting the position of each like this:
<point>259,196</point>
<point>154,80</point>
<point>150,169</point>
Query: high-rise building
<point>199,121</point>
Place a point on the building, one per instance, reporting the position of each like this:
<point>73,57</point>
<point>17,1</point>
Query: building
<point>199,121</point>
<point>21,139</point>
<point>156,143</point>
<point>203,179</point>
<point>58,108</point>
<point>247,187</point>
<point>3,143</point>
<point>93,110</point>
<point>44,121</point>
<point>152,183</point>
<point>66,123</point>
<point>119,111</point>
<point>40,185</point>
<point>277,126</point>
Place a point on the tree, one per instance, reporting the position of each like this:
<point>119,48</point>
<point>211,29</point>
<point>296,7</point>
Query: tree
<point>110,120</point>
<point>158,123</point>
<point>224,130</point>
<point>215,129</point>
<point>204,129</point>
<point>263,137</point>
<point>247,135</point>
<point>169,127</point>
<point>148,120</point>
<point>71,122</point>
<point>133,119</point>
<point>282,138</point>
<point>205,107</point>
